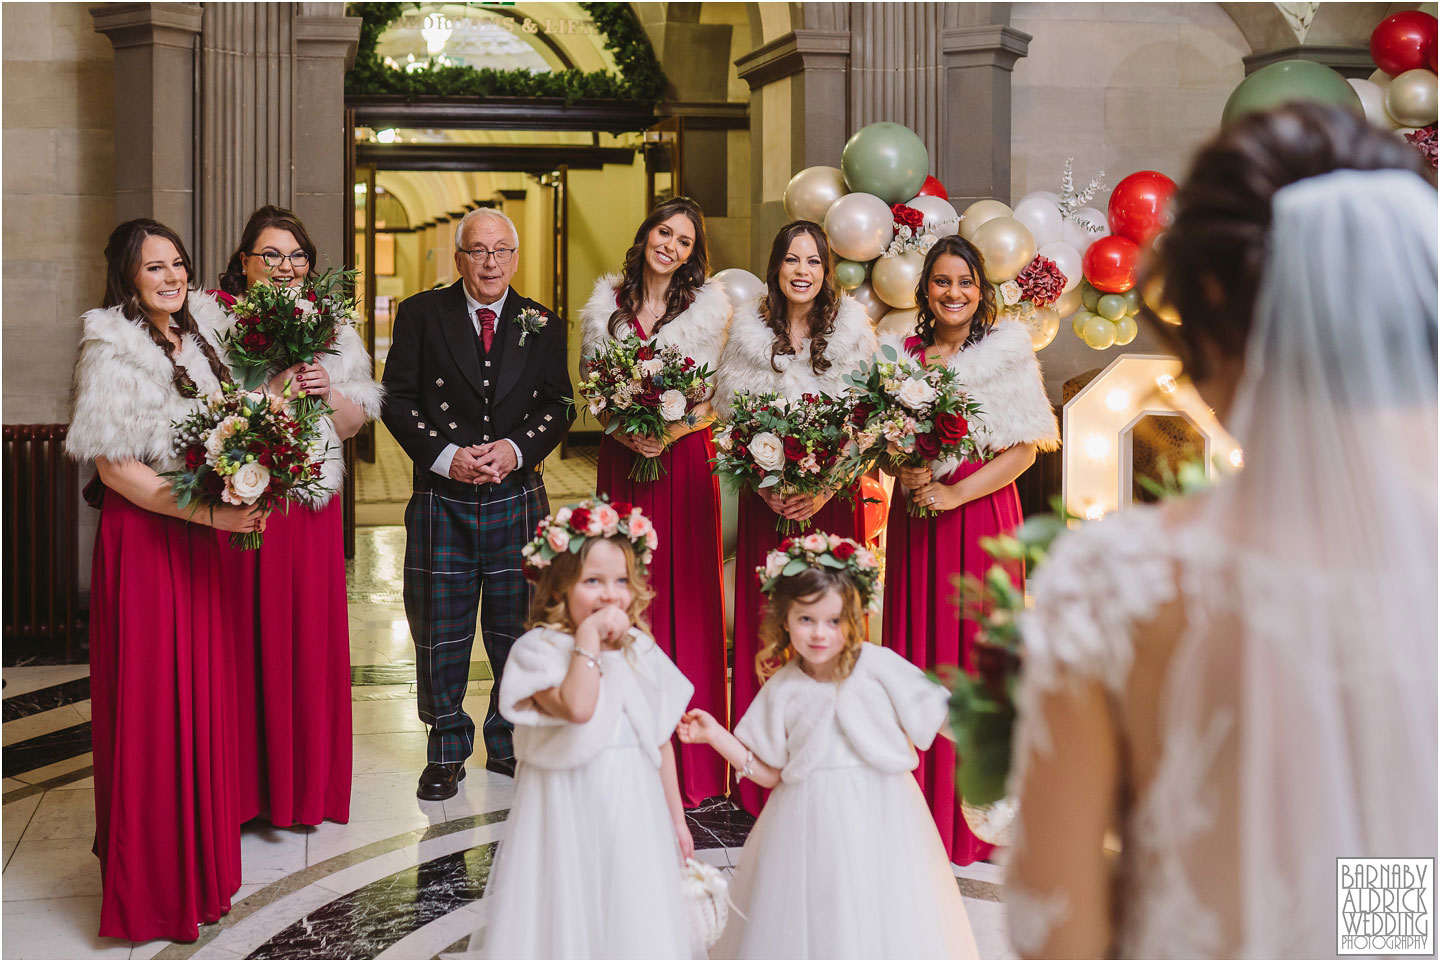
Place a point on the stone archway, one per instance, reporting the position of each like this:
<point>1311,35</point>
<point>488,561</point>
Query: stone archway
<point>1335,34</point>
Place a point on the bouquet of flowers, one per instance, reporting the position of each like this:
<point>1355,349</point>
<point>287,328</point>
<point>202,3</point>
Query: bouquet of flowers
<point>276,327</point>
<point>645,388</point>
<point>247,447</point>
<point>796,445</point>
<point>912,413</point>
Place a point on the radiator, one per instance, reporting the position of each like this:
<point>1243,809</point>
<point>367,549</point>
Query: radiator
<point>41,542</point>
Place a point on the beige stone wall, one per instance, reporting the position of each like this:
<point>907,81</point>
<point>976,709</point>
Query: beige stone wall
<point>59,197</point>
<point>1120,87</point>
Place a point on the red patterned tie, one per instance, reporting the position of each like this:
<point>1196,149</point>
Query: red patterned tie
<point>487,327</point>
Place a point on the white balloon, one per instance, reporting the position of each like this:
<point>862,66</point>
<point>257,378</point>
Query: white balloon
<point>902,323</point>
<point>811,192</point>
<point>1049,195</point>
<point>860,226</point>
<point>941,217</point>
<point>1067,259</point>
<point>742,286</point>
<point>1083,227</point>
<point>1372,98</point>
<point>1069,301</point>
<point>1042,216</point>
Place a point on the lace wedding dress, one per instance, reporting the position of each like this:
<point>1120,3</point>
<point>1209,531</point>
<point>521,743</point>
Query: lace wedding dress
<point>1266,652</point>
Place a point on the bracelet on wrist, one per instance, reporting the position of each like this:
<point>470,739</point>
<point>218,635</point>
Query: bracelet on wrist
<point>748,769</point>
<point>590,660</point>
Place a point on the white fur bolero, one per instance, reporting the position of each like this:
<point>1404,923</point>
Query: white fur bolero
<point>1003,374</point>
<point>124,393</point>
<point>699,331</point>
<point>885,709</point>
<point>745,365</point>
<point>639,685</point>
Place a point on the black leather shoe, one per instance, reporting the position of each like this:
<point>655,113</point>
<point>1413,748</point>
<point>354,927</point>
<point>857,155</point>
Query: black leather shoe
<point>440,780</point>
<point>501,766</point>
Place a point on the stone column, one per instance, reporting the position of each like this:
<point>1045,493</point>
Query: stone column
<point>972,157</point>
<point>325,42</point>
<point>155,51</point>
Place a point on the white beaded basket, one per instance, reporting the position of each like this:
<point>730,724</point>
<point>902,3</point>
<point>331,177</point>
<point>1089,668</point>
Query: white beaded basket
<point>707,895</point>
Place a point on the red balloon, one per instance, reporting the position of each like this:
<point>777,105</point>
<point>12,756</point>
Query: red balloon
<point>874,513</point>
<point>1140,205</point>
<point>1110,264</point>
<point>1403,41</point>
<point>933,188</point>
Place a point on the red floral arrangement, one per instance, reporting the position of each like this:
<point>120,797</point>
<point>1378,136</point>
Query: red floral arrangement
<point>1423,140</point>
<point>907,217</point>
<point>1041,282</point>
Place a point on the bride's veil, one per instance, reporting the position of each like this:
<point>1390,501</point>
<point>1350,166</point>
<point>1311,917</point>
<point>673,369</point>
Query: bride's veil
<point>1327,631</point>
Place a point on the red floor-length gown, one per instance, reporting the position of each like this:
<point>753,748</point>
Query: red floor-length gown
<point>755,537</point>
<point>923,622</point>
<point>687,615</point>
<point>163,718</point>
<point>291,632</point>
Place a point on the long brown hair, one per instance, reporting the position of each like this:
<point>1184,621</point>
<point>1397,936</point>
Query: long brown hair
<point>775,309</point>
<point>687,280</point>
<point>232,280</point>
<point>548,607</point>
<point>1217,245</point>
<point>984,317</point>
<point>806,586</point>
<point>122,262</point>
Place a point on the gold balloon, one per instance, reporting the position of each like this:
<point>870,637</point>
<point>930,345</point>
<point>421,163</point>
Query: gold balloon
<point>894,278</point>
<point>899,322</point>
<point>978,213</point>
<point>1411,99</point>
<point>1125,330</point>
<point>1044,324</point>
<point>1098,332</point>
<point>1007,246</point>
<point>867,298</point>
<point>811,192</point>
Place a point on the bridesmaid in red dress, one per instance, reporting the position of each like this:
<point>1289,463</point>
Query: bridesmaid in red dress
<point>801,338</point>
<point>163,703</point>
<point>286,601</point>
<point>996,363</point>
<point>662,294</point>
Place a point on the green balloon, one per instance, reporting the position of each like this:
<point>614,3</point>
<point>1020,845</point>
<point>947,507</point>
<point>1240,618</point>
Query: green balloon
<point>886,160</point>
<point>1077,323</point>
<point>1098,333</point>
<point>849,274</point>
<point>1111,307</point>
<point>1125,330</point>
<point>1090,297</point>
<point>1289,80</point>
<point>1133,301</point>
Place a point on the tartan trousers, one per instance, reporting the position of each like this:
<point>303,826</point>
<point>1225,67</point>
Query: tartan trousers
<point>462,551</point>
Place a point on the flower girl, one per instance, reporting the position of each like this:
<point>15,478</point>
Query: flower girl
<point>845,860</point>
<point>590,866</point>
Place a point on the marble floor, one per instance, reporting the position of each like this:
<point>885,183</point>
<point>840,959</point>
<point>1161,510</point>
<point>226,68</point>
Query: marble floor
<point>404,879</point>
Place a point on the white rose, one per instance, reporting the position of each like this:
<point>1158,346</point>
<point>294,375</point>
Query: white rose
<point>558,539</point>
<point>722,439</point>
<point>775,563</point>
<point>916,393</point>
<point>815,542</point>
<point>653,366</point>
<point>562,517</point>
<point>672,405</point>
<point>780,402</point>
<point>214,444</point>
<point>250,481</point>
<point>1010,292</point>
<point>768,451</point>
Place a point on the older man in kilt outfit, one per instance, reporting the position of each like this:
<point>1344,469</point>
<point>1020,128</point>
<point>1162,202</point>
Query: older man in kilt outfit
<point>477,389</point>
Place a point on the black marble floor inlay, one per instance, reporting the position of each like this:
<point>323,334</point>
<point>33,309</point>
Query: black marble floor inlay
<point>719,823</point>
<point>44,699</point>
<point>372,918</point>
<point>42,750</point>
<point>405,674</point>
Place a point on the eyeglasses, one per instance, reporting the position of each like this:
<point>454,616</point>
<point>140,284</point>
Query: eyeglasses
<point>274,259</point>
<point>480,255</point>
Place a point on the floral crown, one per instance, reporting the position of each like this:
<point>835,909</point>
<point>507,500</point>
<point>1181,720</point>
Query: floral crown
<point>820,550</point>
<point>569,528</point>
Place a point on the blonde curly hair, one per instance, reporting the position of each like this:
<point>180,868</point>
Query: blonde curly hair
<point>808,586</point>
<point>548,605</point>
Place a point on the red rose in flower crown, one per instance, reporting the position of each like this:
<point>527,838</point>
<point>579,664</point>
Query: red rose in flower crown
<point>907,216</point>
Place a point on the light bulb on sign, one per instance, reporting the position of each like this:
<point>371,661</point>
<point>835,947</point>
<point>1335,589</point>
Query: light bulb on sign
<point>1093,511</point>
<point>435,31</point>
<point>1237,458</point>
<point>1117,400</point>
<point>1097,447</point>
<point>1166,384</point>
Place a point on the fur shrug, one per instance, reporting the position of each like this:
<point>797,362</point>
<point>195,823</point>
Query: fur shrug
<point>1003,374</point>
<point>124,393</point>
<point>699,331</point>
<point>745,366</point>
<point>885,708</point>
<point>349,372</point>
<point>639,685</point>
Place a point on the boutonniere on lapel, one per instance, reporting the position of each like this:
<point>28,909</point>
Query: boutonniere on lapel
<point>531,321</point>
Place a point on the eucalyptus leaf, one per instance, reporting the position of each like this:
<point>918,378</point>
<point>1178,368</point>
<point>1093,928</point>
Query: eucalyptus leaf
<point>770,481</point>
<point>795,566</point>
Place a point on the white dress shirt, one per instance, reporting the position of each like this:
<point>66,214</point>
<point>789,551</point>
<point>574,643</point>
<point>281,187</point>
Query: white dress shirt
<point>447,456</point>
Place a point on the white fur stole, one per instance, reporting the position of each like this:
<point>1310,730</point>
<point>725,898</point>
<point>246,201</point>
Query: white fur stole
<point>699,331</point>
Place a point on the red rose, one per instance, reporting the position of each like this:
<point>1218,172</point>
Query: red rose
<point>927,446</point>
<point>298,312</point>
<point>794,449</point>
<point>311,296</point>
<point>623,508</point>
<point>295,468</point>
<point>951,428</point>
<point>787,544</point>
<point>650,397</point>
<point>580,519</point>
<point>213,484</point>
<point>645,353</point>
<point>689,363</point>
<point>861,414</point>
<point>843,550</point>
<point>907,216</point>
